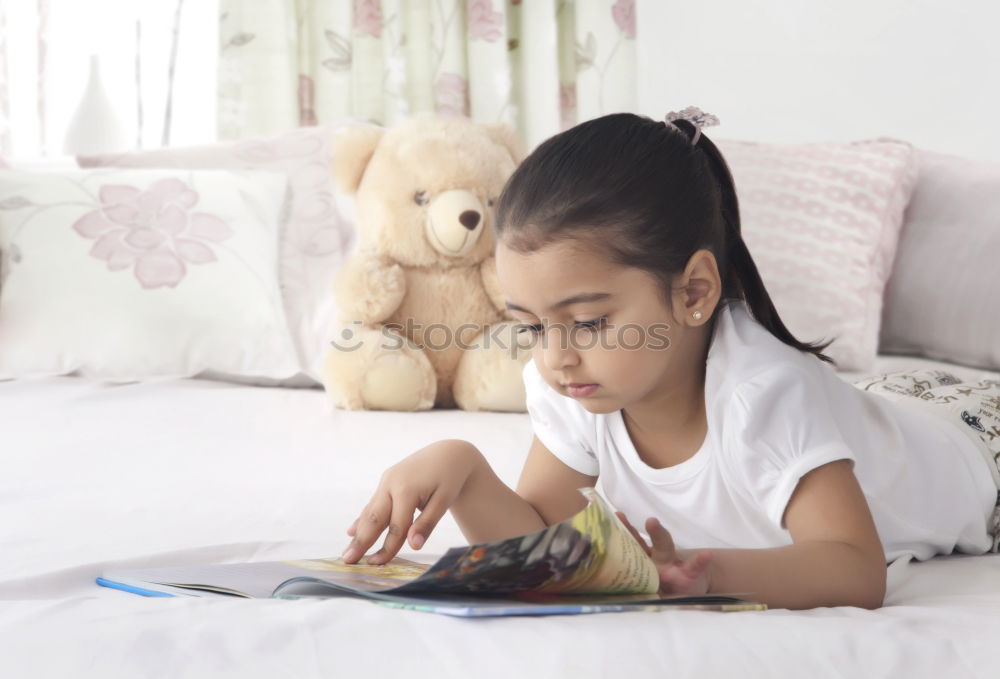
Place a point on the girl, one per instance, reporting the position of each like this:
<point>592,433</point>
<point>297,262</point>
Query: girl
<point>661,369</point>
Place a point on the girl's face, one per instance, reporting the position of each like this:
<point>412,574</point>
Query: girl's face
<point>603,334</point>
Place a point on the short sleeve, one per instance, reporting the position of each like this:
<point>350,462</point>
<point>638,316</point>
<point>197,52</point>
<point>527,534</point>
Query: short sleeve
<point>560,423</point>
<point>782,424</point>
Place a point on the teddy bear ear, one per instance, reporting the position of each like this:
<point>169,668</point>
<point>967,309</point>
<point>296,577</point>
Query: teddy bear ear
<point>504,134</point>
<point>352,149</point>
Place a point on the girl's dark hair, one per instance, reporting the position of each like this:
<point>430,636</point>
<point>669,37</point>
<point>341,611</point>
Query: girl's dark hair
<point>649,195</point>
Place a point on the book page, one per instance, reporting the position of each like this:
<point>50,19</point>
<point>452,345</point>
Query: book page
<point>258,580</point>
<point>591,552</point>
<point>622,565</point>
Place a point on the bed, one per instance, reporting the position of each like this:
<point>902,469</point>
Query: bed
<point>195,471</point>
<point>169,472</point>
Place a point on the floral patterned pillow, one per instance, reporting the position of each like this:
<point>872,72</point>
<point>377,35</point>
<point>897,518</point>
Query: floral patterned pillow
<point>316,237</point>
<point>126,275</point>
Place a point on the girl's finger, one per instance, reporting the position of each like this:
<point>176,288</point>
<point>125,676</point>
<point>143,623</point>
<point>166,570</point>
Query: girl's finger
<point>697,563</point>
<point>433,510</point>
<point>353,528</point>
<point>624,519</point>
<point>688,577</point>
<point>633,531</point>
<point>663,545</point>
<point>403,507</point>
<point>371,523</point>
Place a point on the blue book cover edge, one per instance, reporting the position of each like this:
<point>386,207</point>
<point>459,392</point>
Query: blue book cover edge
<point>134,590</point>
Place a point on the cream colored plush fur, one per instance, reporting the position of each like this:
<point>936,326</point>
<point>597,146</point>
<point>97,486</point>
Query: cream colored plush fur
<point>424,272</point>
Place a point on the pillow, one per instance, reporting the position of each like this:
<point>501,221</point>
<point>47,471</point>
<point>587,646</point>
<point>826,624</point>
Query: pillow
<point>138,274</point>
<point>40,163</point>
<point>822,223</point>
<point>943,298</point>
<point>317,237</point>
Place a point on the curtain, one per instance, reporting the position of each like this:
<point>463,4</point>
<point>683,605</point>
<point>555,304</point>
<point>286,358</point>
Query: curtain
<point>34,39</point>
<point>4,87</point>
<point>539,65</point>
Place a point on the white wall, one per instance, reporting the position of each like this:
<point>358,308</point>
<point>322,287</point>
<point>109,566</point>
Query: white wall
<point>926,71</point>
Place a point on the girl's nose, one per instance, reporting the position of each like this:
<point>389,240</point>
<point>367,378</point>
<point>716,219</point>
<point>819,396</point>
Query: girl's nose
<point>557,347</point>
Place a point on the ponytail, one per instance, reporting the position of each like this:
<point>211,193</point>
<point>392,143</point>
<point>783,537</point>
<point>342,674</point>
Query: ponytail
<point>742,279</point>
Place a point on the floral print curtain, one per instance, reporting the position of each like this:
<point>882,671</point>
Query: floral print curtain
<point>4,93</point>
<point>539,65</point>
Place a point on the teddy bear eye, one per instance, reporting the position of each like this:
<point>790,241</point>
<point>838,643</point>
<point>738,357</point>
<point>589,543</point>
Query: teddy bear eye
<point>420,197</point>
<point>489,202</point>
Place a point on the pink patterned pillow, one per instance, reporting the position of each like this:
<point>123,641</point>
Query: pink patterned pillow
<point>131,275</point>
<point>822,222</point>
<point>316,238</point>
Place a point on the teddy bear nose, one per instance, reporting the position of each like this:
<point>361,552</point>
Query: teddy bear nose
<point>469,219</point>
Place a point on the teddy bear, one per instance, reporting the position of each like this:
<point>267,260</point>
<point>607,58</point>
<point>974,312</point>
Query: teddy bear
<point>423,322</point>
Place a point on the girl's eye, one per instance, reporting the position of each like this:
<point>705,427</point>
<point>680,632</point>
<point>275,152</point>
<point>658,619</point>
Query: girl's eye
<point>533,329</point>
<point>595,324</point>
<point>420,197</point>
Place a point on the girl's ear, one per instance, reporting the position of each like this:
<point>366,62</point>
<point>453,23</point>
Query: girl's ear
<point>504,135</point>
<point>698,290</point>
<point>352,150</point>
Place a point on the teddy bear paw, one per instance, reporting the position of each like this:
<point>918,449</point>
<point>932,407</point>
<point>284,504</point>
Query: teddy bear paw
<point>489,377</point>
<point>397,381</point>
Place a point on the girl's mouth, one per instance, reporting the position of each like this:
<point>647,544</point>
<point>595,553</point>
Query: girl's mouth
<point>581,390</point>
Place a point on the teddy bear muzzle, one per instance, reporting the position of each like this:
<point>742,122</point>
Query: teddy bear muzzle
<point>455,221</point>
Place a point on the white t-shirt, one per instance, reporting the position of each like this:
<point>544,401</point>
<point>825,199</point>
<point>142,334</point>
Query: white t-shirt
<point>774,414</point>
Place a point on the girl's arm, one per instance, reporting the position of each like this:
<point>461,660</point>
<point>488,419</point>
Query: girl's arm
<point>453,475</point>
<point>837,558</point>
<point>487,509</point>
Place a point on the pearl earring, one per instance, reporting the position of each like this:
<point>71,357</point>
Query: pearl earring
<point>697,315</point>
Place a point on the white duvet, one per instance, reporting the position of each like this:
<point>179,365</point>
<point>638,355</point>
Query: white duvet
<point>94,477</point>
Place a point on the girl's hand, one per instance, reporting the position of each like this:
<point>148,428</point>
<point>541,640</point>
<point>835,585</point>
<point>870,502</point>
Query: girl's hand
<point>677,576</point>
<point>429,480</point>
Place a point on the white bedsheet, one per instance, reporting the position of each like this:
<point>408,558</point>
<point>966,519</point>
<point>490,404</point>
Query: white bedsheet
<point>95,476</point>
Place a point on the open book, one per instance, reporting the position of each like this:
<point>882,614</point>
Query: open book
<point>588,563</point>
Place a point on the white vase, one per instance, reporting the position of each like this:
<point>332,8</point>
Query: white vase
<point>95,127</point>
